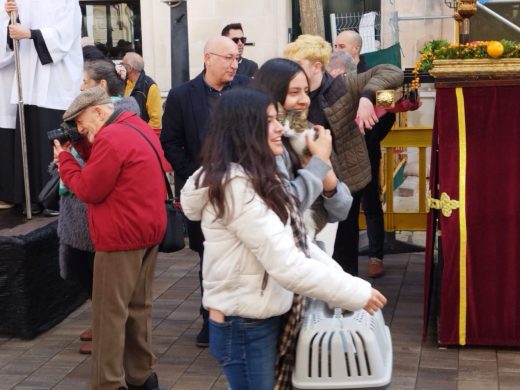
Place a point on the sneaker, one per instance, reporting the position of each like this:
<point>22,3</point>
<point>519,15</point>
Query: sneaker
<point>203,336</point>
<point>50,213</point>
<point>86,348</point>
<point>35,209</point>
<point>376,268</point>
<point>86,335</point>
<point>152,383</point>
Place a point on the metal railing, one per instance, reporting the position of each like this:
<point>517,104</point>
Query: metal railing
<point>498,17</point>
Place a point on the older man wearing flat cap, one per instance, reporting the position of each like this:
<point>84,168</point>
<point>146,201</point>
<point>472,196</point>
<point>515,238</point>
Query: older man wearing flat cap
<point>124,189</point>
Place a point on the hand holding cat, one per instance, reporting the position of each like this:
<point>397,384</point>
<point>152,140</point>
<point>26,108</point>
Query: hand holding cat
<point>321,146</point>
<point>366,116</point>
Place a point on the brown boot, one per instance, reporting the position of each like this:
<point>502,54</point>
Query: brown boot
<point>86,335</point>
<point>376,268</point>
<point>86,348</point>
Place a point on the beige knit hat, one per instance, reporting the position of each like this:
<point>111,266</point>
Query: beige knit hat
<point>90,97</point>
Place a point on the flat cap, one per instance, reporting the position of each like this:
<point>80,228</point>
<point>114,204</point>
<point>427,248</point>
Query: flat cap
<point>88,98</point>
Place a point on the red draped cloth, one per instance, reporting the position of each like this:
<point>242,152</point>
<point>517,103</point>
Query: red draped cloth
<point>480,282</point>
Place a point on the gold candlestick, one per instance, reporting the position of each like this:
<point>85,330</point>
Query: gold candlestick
<point>465,9</point>
<point>459,20</point>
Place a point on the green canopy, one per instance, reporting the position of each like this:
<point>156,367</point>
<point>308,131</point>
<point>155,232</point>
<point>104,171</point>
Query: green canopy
<point>390,55</point>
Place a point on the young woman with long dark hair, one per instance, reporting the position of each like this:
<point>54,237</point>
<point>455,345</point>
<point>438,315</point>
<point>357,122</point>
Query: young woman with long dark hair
<point>314,183</point>
<point>256,251</point>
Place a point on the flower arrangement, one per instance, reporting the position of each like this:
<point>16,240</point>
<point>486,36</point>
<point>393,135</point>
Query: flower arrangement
<point>443,50</point>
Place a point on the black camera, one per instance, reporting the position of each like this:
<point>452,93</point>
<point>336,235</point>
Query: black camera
<point>67,132</point>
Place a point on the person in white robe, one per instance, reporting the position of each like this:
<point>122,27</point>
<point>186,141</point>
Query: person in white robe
<point>7,117</point>
<point>51,68</point>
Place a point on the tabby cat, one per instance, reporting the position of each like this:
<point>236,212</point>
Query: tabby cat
<point>296,125</point>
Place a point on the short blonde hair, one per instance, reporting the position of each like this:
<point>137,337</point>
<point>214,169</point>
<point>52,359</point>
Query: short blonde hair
<point>309,47</point>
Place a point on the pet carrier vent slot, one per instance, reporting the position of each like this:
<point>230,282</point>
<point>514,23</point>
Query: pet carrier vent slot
<point>320,354</point>
<point>367,361</point>
<point>355,342</point>
<point>329,354</point>
<point>345,351</point>
<point>310,353</point>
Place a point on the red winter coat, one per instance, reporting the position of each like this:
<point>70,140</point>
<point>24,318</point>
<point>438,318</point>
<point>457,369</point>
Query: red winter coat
<point>122,184</point>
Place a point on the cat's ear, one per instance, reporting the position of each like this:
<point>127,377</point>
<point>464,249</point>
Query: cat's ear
<point>281,113</point>
<point>281,110</point>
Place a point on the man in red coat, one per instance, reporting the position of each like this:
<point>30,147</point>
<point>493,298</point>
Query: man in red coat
<point>123,186</point>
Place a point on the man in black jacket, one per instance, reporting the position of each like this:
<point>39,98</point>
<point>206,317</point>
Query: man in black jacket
<point>236,34</point>
<point>187,110</point>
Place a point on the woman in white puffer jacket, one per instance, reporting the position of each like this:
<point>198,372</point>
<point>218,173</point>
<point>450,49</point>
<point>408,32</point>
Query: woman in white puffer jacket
<point>254,257</point>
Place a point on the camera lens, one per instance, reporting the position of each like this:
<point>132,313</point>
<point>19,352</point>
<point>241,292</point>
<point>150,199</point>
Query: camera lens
<point>67,132</point>
<point>58,134</point>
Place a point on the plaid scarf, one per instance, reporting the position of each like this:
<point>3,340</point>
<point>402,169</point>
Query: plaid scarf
<point>293,319</point>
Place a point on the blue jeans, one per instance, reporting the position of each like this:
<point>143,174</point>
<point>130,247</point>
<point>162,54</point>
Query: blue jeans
<point>246,350</point>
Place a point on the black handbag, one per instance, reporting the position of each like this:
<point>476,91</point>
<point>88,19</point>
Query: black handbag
<point>173,239</point>
<point>49,196</point>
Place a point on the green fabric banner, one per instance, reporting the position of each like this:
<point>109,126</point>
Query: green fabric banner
<point>390,55</point>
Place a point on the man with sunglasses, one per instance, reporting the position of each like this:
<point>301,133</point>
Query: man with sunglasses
<point>236,34</point>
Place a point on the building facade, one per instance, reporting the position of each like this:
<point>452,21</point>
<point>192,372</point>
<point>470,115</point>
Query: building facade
<point>171,34</point>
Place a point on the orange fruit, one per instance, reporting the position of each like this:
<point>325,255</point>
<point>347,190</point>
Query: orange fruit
<point>495,49</point>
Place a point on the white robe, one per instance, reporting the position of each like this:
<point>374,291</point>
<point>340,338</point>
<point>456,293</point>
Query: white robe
<point>48,89</point>
<point>7,69</point>
<point>54,85</point>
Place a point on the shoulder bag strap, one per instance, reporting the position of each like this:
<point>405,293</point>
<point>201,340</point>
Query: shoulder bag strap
<point>168,187</point>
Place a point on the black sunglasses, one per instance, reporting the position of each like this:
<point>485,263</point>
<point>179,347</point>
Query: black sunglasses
<point>241,39</point>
